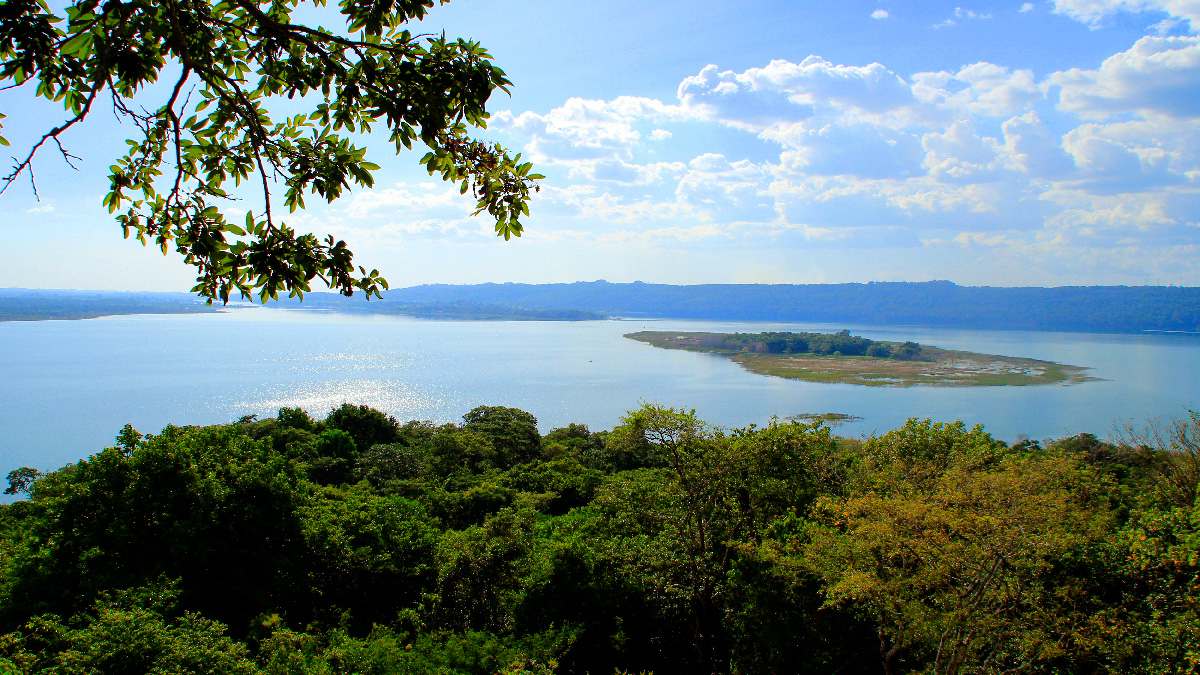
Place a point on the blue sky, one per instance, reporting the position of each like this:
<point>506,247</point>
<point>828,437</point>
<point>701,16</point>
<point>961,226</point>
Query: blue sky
<point>990,143</point>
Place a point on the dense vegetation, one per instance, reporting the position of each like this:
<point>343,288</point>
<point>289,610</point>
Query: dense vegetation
<point>360,545</point>
<point>841,342</point>
<point>1107,309</point>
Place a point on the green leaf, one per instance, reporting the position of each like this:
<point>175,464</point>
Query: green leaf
<point>80,45</point>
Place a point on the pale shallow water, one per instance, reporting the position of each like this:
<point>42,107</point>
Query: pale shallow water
<point>67,387</point>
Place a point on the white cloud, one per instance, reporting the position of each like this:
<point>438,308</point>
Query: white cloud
<point>960,13</point>
<point>785,92</point>
<point>879,14</point>
<point>422,198</point>
<point>583,129</point>
<point>959,155</point>
<point>719,190</point>
<point>617,171</point>
<point>1027,7</point>
<point>969,14</point>
<point>847,147</point>
<point>1157,76</point>
<point>979,89</point>
<point>1111,162</point>
<point>1093,12</point>
<point>1033,149</point>
<point>860,157</point>
<point>1166,26</point>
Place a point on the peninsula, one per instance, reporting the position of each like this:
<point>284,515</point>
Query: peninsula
<point>847,359</point>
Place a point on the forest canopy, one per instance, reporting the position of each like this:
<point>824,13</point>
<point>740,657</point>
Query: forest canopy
<point>359,544</point>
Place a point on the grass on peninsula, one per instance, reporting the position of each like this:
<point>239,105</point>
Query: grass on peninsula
<point>935,366</point>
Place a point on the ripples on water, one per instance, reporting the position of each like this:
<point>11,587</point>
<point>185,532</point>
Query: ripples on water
<point>66,387</point>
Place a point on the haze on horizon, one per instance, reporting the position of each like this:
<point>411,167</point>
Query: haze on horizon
<point>989,143</point>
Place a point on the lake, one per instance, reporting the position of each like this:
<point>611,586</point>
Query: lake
<point>67,387</point>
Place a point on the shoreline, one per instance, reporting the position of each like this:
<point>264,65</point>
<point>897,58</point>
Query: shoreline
<point>933,367</point>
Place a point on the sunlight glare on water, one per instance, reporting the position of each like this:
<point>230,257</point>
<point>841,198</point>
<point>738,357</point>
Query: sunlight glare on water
<point>67,387</point>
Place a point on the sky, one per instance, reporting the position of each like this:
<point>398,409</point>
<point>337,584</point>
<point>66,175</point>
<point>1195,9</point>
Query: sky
<point>996,143</point>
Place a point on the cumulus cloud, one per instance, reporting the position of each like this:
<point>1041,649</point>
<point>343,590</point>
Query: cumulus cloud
<point>1109,165</point>
<point>959,155</point>
<point>1157,76</point>
<point>979,89</point>
<point>587,129</point>
<point>784,91</point>
<point>421,198</point>
<point>717,189</point>
<point>879,14</point>
<point>1027,7</point>
<point>1034,149</point>
<point>739,99</point>
<point>849,147</point>
<point>860,156</point>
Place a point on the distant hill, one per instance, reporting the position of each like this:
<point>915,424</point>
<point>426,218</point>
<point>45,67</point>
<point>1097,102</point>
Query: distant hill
<point>20,304</point>
<point>1107,309</point>
<point>454,310</point>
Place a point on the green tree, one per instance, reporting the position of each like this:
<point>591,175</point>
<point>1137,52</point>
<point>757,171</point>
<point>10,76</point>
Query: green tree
<point>211,129</point>
<point>711,494</point>
<point>957,573</point>
<point>513,432</point>
<point>365,424</point>
<point>209,506</point>
<point>21,480</point>
<point>134,631</point>
<point>367,553</point>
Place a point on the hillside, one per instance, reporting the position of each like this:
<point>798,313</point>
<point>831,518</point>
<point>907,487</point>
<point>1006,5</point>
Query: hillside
<point>1101,309</point>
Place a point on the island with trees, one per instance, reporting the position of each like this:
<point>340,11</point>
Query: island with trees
<point>357,544</point>
<point>849,359</point>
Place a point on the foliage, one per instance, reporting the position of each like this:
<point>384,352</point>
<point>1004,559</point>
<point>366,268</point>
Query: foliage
<point>135,631</point>
<point>513,433</point>
<point>957,572</point>
<point>364,424</point>
<point>840,342</point>
<point>21,480</point>
<point>1178,443</point>
<point>210,129</point>
<point>353,544</point>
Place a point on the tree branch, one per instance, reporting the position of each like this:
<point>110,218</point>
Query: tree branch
<point>52,134</point>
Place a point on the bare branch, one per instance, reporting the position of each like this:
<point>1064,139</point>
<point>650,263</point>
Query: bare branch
<point>52,134</point>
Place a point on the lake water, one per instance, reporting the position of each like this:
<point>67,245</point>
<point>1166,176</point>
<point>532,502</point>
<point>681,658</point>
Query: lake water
<point>67,387</point>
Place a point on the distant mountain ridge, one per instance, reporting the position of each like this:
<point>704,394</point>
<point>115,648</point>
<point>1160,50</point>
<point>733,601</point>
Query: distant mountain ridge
<point>1103,309</point>
<point>20,304</point>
